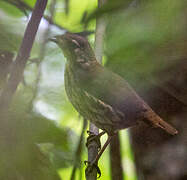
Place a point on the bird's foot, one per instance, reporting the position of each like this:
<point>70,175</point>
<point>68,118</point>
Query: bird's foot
<point>93,137</point>
<point>91,166</point>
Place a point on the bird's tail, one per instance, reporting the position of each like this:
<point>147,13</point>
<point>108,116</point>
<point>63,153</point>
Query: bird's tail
<point>152,118</point>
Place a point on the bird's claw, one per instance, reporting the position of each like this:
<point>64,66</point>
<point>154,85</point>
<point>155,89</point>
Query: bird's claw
<point>90,166</point>
<point>90,133</point>
<point>93,137</point>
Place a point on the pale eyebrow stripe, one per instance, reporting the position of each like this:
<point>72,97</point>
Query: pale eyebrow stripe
<point>74,41</point>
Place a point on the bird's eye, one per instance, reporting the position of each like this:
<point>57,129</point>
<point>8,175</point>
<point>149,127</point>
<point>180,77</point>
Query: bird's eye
<point>76,43</point>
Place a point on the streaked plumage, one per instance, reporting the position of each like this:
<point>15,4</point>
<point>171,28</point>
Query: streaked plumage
<point>100,95</point>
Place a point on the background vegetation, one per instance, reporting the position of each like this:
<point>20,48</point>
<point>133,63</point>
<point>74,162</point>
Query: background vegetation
<point>145,42</point>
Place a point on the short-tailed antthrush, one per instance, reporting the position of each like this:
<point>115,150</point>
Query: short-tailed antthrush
<point>100,95</point>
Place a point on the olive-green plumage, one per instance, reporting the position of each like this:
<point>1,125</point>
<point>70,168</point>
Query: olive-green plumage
<point>100,95</point>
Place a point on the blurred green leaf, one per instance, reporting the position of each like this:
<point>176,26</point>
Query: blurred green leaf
<point>109,7</point>
<point>6,60</point>
<point>143,40</point>
<point>21,136</point>
<point>72,20</point>
<point>9,41</point>
<point>30,3</point>
<point>12,8</point>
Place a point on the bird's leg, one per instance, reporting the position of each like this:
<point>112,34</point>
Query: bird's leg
<point>99,135</point>
<point>102,149</point>
<point>95,161</point>
<point>95,137</point>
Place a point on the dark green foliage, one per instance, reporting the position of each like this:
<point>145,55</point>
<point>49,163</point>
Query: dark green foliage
<point>143,44</point>
<point>6,59</point>
<point>24,147</point>
<point>110,7</point>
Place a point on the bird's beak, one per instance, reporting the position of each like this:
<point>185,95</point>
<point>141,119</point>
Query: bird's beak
<point>53,39</point>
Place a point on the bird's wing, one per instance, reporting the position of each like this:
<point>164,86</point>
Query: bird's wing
<point>112,90</point>
<point>102,108</point>
<point>104,113</point>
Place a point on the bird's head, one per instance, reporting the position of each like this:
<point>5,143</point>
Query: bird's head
<point>76,48</point>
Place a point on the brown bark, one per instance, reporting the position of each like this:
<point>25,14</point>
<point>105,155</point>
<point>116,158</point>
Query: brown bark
<point>25,7</point>
<point>93,146</point>
<point>23,54</point>
<point>115,159</point>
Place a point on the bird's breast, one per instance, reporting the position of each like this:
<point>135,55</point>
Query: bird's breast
<point>91,108</point>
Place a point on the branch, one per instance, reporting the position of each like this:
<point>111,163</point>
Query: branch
<point>23,54</point>
<point>93,146</point>
<point>99,34</point>
<point>92,152</point>
<point>115,159</point>
<point>24,6</point>
<point>79,150</point>
<point>42,55</point>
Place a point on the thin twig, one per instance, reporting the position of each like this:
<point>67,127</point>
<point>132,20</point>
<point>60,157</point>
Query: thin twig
<point>42,55</point>
<point>23,54</point>
<point>24,6</point>
<point>79,150</point>
<point>115,159</point>
<point>99,34</point>
<point>93,146</point>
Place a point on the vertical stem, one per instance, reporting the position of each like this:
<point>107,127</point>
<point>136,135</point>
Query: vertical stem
<point>115,159</point>
<point>99,34</point>
<point>42,55</point>
<point>78,151</point>
<point>92,153</point>
<point>93,147</point>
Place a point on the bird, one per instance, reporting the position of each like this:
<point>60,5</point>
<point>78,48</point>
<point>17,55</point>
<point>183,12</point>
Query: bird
<point>100,95</point>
